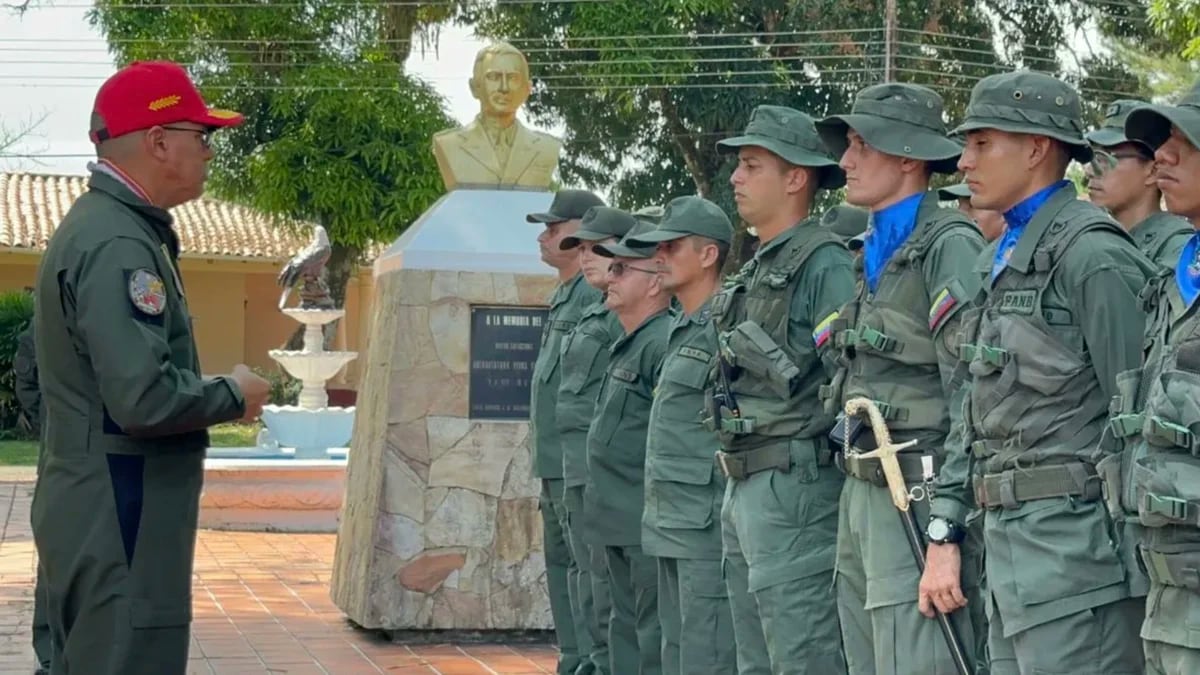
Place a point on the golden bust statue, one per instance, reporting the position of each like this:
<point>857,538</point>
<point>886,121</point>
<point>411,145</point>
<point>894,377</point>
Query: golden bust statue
<point>495,149</point>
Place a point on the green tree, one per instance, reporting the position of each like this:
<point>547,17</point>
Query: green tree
<point>336,132</point>
<point>646,87</point>
<point>1178,23</point>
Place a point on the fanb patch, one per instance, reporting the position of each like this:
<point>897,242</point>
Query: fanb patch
<point>147,292</point>
<point>942,304</point>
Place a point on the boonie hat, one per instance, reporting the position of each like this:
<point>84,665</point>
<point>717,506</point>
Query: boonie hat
<point>789,133</point>
<point>954,192</point>
<point>628,247</point>
<point>1028,102</point>
<point>845,220</point>
<point>1112,131</point>
<point>685,216</point>
<point>903,120</point>
<point>1151,124</point>
<point>567,205</point>
<point>146,94</point>
<point>599,223</point>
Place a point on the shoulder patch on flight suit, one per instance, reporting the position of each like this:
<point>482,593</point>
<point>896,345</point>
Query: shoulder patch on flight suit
<point>147,292</point>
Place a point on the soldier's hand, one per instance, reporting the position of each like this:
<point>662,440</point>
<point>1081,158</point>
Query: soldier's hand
<point>940,583</point>
<point>255,391</point>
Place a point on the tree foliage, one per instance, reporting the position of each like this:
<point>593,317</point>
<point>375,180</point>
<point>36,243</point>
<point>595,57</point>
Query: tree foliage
<point>1178,23</point>
<point>336,133</point>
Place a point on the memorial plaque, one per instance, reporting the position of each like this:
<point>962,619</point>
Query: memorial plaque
<point>504,348</point>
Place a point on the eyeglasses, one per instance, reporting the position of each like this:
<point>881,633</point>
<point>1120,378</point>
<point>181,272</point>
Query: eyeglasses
<point>1103,161</point>
<point>205,134</point>
<point>618,269</point>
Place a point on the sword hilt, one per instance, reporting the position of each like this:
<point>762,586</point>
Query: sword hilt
<point>885,450</point>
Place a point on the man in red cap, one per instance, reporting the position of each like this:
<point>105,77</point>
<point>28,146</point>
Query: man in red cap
<point>127,409</point>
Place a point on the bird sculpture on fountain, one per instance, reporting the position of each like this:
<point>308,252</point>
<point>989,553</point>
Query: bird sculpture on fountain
<point>308,265</point>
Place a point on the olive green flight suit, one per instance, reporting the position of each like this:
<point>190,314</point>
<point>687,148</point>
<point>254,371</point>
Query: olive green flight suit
<point>615,493</point>
<point>779,515</point>
<point>566,305</point>
<point>585,352</point>
<point>1155,415</point>
<point>29,395</point>
<point>681,524</point>
<point>1043,345</point>
<point>1161,237</point>
<point>116,505</point>
<point>897,348</point>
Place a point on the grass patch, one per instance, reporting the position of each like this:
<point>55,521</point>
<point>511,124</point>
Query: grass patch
<point>24,453</point>
<point>18,453</point>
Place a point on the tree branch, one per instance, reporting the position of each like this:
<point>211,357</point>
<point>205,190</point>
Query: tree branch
<point>685,143</point>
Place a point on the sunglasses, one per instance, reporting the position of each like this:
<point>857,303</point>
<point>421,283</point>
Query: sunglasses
<point>1103,161</point>
<point>205,134</point>
<point>618,269</point>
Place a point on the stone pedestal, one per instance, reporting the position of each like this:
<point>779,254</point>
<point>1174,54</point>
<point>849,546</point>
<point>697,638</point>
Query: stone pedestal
<point>440,528</point>
<point>272,495</point>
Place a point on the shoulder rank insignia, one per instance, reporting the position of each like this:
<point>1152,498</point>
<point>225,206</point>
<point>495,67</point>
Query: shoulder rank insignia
<point>147,292</point>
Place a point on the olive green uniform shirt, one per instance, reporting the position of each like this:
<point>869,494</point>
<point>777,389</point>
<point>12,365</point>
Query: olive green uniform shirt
<point>616,452</point>
<point>116,506</point>
<point>566,306</point>
<point>684,488</point>
<point>585,353</point>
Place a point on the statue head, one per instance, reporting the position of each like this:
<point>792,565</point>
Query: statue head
<point>500,81</point>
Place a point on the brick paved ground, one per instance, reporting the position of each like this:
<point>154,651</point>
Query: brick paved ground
<point>261,606</point>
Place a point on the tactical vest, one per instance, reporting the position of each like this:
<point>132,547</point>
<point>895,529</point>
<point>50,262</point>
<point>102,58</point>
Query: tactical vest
<point>1155,233</point>
<point>761,292</point>
<point>1035,398</point>
<point>1156,414</point>
<point>887,339</point>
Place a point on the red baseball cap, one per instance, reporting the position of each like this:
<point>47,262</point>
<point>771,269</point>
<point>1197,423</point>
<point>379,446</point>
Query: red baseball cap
<point>153,93</point>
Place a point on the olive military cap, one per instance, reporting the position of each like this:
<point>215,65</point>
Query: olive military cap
<point>686,216</point>
<point>628,247</point>
<point>954,192</point>
<point>1112,130</point>
<point>652,214</point>
<point>1028,102</point>
<point>903,120</point>
<point>789,133</point>
<point>567,205</point>
<point>1151,124</point>
<point>600,222</point>
<point>846,221</point>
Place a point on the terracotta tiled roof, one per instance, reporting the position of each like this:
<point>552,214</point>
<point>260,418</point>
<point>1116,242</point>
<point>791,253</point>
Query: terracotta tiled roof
<point>32,205</point>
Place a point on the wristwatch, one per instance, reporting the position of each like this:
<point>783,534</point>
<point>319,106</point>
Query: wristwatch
<point>943,531</point>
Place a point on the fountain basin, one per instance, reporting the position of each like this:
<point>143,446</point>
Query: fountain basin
<point>256,490</point>
<point>310,432</point>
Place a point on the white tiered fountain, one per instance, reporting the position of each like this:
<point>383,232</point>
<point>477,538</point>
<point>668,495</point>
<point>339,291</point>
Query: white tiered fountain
<point>311,426</point>
<point>294,481</point>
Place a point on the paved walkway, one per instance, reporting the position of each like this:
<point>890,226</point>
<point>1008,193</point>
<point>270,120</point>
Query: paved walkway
<point>261,606</point>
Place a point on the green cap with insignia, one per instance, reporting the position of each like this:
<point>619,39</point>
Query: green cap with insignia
<point>599,223</point>
<point>789,133</point>
<point>1151,124</point>
<point>651,214</point>
<point>567,205</point>
<point>898,119</point>
<point>1112,131</point>
<point>1028,102</point>
<point>627,247</point>
<point>954,192</point>
<point>845,220</point>
<point>685,216</point>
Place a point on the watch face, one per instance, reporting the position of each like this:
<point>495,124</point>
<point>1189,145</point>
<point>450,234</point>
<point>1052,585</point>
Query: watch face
<point>938,530</point>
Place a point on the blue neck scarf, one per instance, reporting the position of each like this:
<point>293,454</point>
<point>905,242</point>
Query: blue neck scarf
<point>890,227</point>
<point>1187,270</point>
<point>1016,219</point>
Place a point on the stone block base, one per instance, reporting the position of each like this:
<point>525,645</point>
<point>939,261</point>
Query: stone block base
<point>263,495</point>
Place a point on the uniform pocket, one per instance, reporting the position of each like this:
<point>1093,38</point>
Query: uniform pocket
<point>1066,545</point>
<point>684,492</point>
<point>578,358</point>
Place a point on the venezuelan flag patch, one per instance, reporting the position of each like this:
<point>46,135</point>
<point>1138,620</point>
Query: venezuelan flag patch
<point>942,304</point>
<point>824,330</point>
